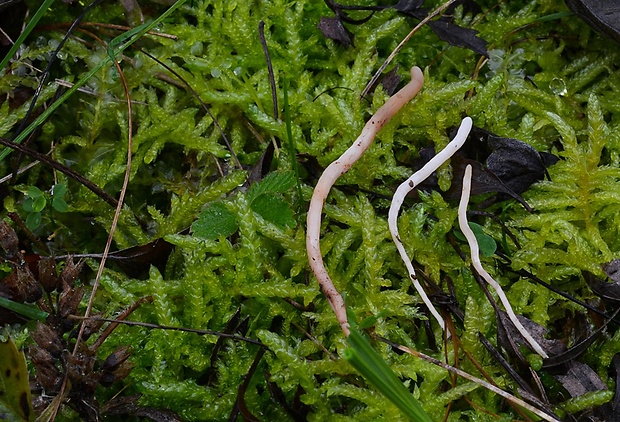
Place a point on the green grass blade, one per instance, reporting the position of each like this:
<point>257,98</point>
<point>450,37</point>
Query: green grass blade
<point>368,363</point>
<point>29,311</point>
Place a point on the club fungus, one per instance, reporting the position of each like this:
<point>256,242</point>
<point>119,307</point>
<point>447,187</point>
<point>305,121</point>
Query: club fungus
<point>406,187</point>
<point>475,260</point>
<point>329,177</point>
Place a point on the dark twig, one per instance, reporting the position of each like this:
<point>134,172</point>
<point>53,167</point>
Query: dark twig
<point>272,79</point>
<point>202,103</point>
<point>61,168</point>
<point>170,328</point>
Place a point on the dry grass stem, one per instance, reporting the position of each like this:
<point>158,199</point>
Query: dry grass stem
<point>481,382</point>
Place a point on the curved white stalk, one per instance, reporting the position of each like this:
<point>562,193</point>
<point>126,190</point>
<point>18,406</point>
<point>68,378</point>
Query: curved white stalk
<point>329,177</point>
<point>406,187</point>
<point>475,260</point>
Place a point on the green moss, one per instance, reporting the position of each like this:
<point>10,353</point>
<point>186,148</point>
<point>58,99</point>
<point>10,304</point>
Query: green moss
<point>551,83</point>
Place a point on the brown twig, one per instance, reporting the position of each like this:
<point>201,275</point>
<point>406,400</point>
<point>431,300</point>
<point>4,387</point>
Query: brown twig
<point>61,168</point>
<point>108,244</point>
<point>385,64</point>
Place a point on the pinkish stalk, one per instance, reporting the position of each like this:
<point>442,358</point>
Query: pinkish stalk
<point>329,177</point>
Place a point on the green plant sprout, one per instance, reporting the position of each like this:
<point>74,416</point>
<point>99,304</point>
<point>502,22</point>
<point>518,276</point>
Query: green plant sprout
<point>36,201</point>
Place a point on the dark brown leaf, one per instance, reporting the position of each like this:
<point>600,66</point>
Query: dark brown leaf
<point>510,338</point>
<point>47,274</point>
<point>389,81</point>
<point>410,6</point>
<point>443,27</point>
<point>602,15</point>
<point>458,36</point>
<point>483,180</point>
<point>580,379</point>
<point>47,339</point>
<point>516,163</point>
<point>137,260</point>
<point>575,351</point>
<point>612,269</point>
<point>503,165</point>
<point>604,290</point>
<point>333,28</point>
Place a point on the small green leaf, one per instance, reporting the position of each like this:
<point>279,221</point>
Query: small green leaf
<point>14,387</point>
<point>487,243</point>
<point>38,204</point>
<point>34,192</point>
<point>274,182</point>
<point>59,190</point>
<point>274,209</point>
<point>215,221</point>
<point>59,204</point>
<point>33,220</point>
<point>27,205</point>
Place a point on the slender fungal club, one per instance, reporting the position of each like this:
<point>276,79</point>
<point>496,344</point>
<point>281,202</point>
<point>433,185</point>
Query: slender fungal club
<point>475,260</point>
<point>329,177</point>
<point>406,187</point>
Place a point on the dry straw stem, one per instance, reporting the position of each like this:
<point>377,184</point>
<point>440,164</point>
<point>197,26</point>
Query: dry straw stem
<point>406,187</point>
<point>543,415</point>
<point>475,260</point>
<point>329,177</point>
<point>405,40</point>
